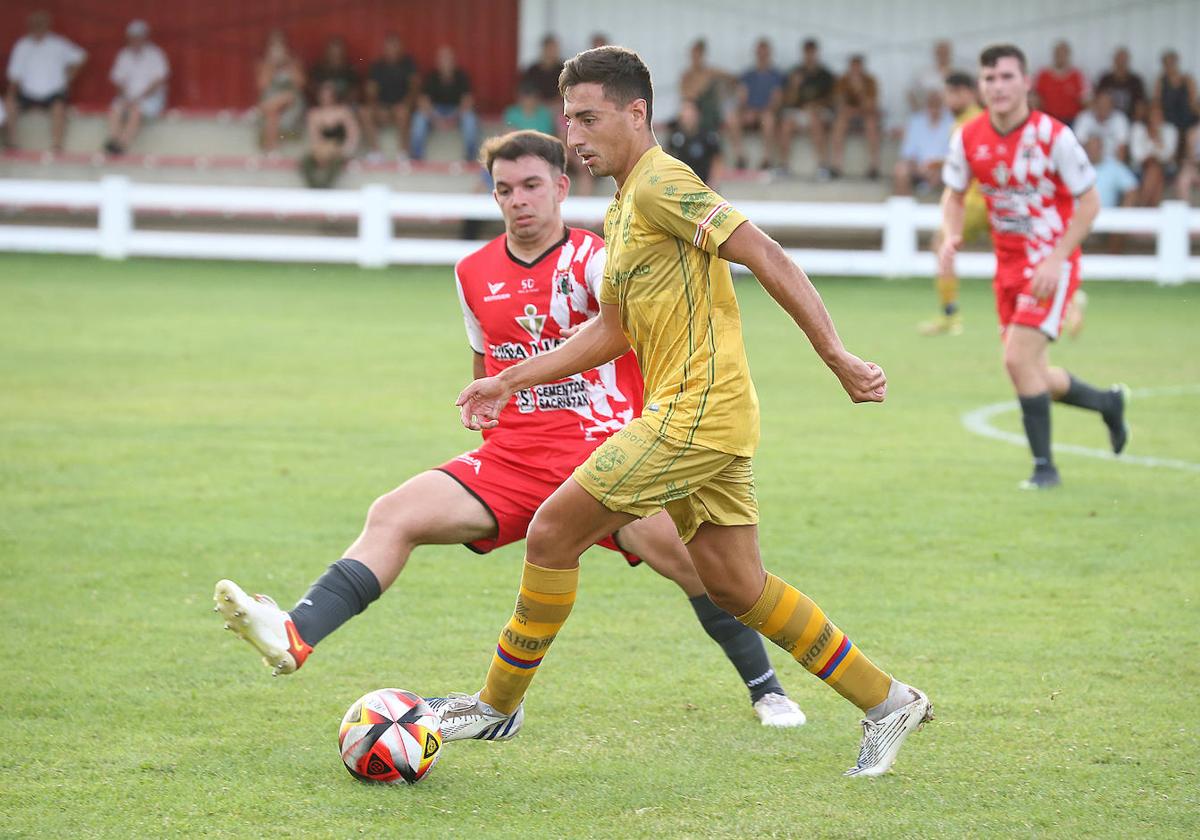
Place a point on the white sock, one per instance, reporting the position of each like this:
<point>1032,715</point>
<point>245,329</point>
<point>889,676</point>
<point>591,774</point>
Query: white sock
<point>899,695</point>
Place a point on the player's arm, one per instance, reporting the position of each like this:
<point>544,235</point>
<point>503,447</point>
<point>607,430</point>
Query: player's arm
<point>477,366</point>
<point>598,341</point>
<point>789,285</point>
<point>956,175</point>
<point>1079,177</point>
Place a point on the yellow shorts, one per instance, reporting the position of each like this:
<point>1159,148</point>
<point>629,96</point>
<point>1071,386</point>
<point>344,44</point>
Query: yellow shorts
<point>975,220</point>
<point>640,472</point>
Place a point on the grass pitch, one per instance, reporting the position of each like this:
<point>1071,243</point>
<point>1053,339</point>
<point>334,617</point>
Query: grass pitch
<point>165,424</point>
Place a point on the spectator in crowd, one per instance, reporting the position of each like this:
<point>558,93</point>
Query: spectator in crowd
<point>40,70</point>
<point>1189,170</point>
<point>933,77</point>
<point>140,75</point>
<point>1115,182</point>
<point>334,67</point>
<point>332,137</point>
<point>598,39</point>
<point>808,102</point>
<point>530,111</point>
<point>1152,147</point>
<point>856,104</point>
<point>445,101</point>
<point>1126,88</point>
<point>705,86</point>
<point>542,75</point>
<point>1175,92</point>
<point>925,145</point>
<point>391,91</point>
<point>1062,89</point>
<point>1103,120</point>
<point>698,147</point>
<point>759,95</point>
<point>280,79</point>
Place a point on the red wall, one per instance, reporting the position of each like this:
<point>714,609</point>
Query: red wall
<point>213,44</point>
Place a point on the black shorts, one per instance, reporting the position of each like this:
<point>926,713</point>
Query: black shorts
<point>27,102</point>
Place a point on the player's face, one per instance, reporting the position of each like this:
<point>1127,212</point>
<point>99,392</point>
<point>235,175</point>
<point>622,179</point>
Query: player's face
<point>1004,88</point>
<point>601,132</point>
<point>529,191</point>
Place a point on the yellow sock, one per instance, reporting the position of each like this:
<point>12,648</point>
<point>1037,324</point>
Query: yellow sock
<point>791,619</point>
<point>543,604</point>
<point>947,289</point>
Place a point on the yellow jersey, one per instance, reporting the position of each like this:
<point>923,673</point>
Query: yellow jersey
<point>678,309</point>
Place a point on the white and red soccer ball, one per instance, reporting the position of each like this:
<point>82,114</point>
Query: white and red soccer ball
<point>391,736</point>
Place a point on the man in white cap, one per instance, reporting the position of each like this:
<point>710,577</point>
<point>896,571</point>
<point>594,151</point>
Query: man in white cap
<point>140,74</point>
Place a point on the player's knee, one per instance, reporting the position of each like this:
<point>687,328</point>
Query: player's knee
<point>547,543</point>
<point>389,513</point>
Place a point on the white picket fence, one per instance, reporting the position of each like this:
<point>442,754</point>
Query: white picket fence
<point>116,201</point>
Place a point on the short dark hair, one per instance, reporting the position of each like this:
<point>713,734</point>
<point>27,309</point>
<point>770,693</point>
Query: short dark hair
<point>811,44</point>
<point>959,79</point>
<point>519,144</point>
<point>992,55</point>
<point>621,73</point>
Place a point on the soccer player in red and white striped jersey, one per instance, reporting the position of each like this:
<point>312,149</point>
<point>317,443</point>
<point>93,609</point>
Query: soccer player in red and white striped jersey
<point>1041,197</point>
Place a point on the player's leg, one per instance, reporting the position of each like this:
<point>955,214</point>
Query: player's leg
<point>1025,361</point>
<point>133,124</point>
<point>429,509</point>
<point>949,322</point>
<point>728,561</point>
<point>656,540</point>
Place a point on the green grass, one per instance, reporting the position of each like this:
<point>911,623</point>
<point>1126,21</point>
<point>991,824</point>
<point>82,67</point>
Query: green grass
<point>165,424</point>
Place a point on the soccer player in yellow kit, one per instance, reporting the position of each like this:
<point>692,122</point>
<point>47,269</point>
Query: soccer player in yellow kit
<point>668,293</point>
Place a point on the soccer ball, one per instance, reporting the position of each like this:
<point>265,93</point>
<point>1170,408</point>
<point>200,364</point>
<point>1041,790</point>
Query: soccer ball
<point>390,735</point>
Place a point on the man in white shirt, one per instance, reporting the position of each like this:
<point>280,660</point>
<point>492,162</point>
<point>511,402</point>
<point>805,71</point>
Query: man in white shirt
<point>140,74</point>
<point>40,69</point>
<point>1103,120</point>
<point>924,148</point>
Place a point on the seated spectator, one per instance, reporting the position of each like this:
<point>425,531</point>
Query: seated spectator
<point>391,92</point>
<point>856,104</point>
<point>759,95</point>
<point>598,39</point>
<point>1175,92</point>
<point>1103,120</point>
<point>690,142</point>
<point>705,86</point>
<point>40,70</point>
<point>1061,89</point>
<point>933,77</point>
<point>1152,147</point>
<point>1126,88</point>
<point>529,112</point>
<point>925,145</point>
<point>1115,182</point>
<point>543,74</point>
<point>140,75</point>
<point>808,101</point>
<point>446,101</point>
<point>332,138</point>
<point>334,67</point>
<point>280,92</point>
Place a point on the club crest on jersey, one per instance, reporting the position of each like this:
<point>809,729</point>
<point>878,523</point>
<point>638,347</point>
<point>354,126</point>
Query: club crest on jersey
<point>563,280</point>
<point>532,322</point>
<point>1001,173</point>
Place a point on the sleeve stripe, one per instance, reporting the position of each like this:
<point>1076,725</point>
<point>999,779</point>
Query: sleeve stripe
<point>702,229</point>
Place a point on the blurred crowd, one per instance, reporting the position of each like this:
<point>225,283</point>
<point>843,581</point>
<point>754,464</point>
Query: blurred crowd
<point>1143,135</point>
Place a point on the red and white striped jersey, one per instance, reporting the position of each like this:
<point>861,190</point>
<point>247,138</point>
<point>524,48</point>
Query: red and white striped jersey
<point>1030,178</point>
<point>514,310</point>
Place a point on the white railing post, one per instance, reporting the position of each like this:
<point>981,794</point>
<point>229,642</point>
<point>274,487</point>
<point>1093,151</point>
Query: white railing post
<point>1172,245</point>
<point>900,236</point>
<point>115,216</point>
<point>374,227</point>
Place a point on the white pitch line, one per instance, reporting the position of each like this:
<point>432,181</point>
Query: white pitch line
<point>978,421</point>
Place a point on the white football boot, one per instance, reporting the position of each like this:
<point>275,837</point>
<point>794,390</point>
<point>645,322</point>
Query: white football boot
<point>261,623</point>
<point>778,710</point>
<point>882,739</point>
<point>466,716</point>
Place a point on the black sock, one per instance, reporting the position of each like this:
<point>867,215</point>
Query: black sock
<point>1083,395</point>
<point>742,645</point>
<point>345,590</point>
<point>950,308</point>
<point>1035,413</point>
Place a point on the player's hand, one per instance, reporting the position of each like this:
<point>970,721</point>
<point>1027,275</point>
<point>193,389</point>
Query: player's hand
<point>945,255</point>
<point>863,381</point>
<point>1045,277</point>
<point>481,402</point>
<point>567,332</point>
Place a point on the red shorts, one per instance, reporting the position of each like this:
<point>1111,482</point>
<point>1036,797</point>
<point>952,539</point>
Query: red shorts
<point>512,479</point>
<point>1015,304</point>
